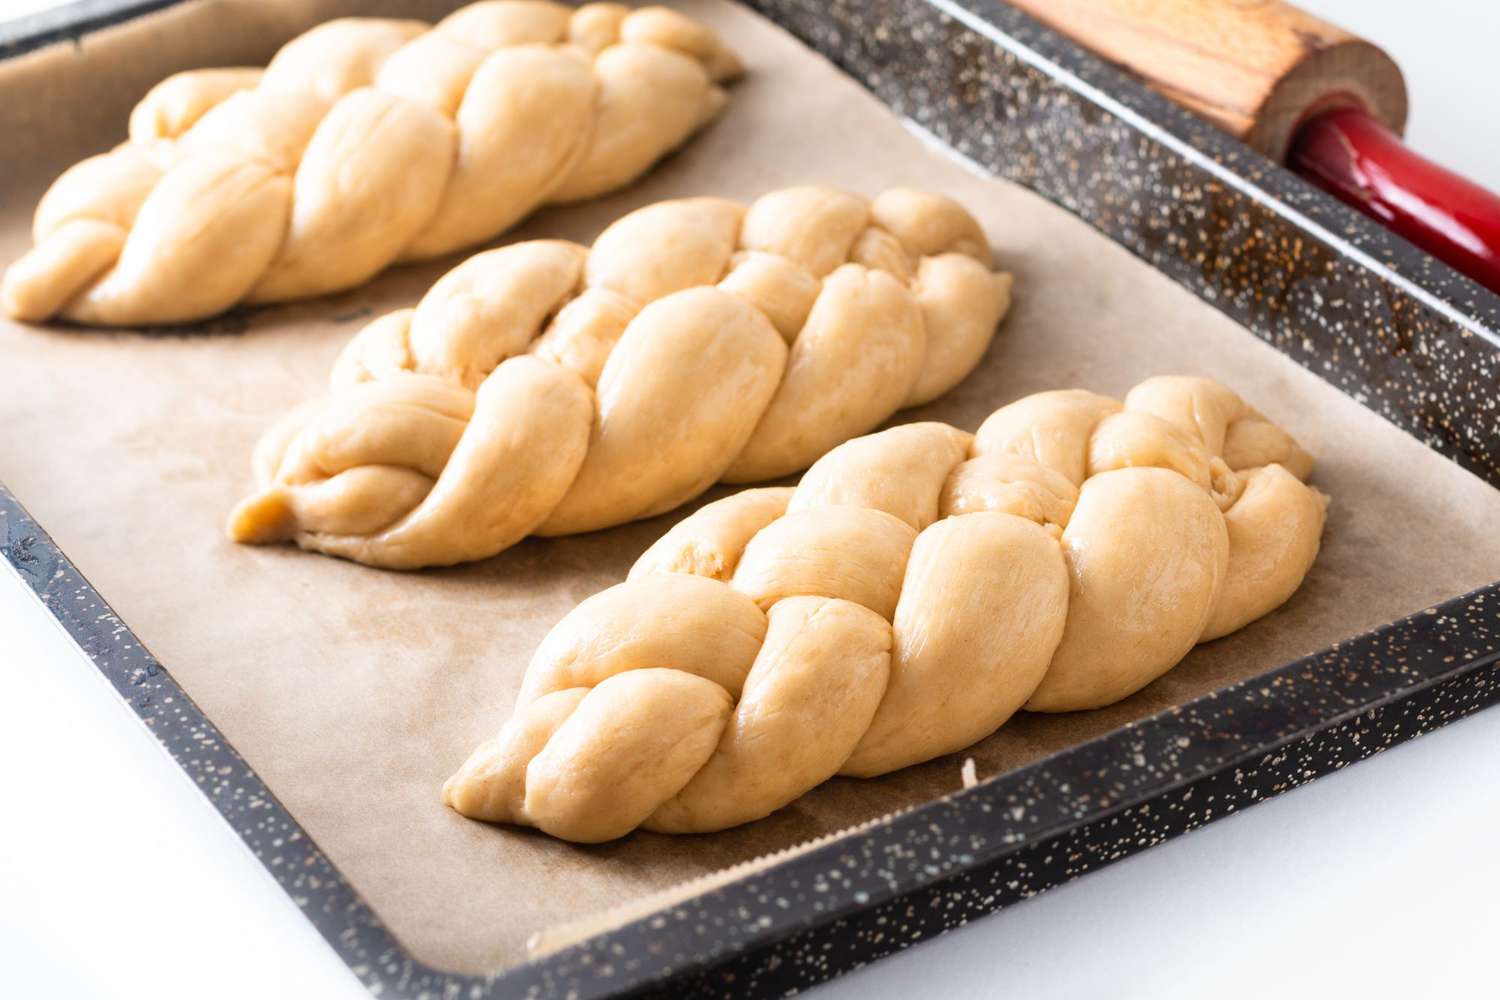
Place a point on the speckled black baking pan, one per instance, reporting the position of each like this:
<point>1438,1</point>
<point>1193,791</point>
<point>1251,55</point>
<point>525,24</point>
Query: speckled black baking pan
<point>1215,217</point>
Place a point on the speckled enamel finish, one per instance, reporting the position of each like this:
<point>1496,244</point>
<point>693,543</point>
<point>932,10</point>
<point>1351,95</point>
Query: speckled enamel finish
<point>70,21</point>
<point>1396,330</point>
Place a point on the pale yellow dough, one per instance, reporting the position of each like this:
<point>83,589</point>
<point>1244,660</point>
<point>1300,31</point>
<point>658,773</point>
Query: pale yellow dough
<point>916,589</point>
<point>548,388</point>
<point>364,142</point>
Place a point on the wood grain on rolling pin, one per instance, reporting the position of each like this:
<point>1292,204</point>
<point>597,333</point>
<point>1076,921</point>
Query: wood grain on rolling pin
<point>1255,68</point>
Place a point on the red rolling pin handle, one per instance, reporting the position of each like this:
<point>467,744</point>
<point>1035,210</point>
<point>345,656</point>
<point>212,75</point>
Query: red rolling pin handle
<point>1353,156</point>
<point>1287,84</point>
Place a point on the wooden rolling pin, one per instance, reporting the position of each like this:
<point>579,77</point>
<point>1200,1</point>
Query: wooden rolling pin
<point>1329,105</point>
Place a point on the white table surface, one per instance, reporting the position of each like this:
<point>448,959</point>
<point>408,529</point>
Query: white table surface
<point>117,879</point>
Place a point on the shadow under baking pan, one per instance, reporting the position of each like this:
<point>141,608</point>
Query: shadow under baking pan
<point>1142,243</point>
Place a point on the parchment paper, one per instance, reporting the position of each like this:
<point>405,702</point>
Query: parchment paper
<point>355,692</point>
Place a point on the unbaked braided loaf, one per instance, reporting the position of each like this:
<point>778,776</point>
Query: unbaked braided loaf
<point>916,589</point>
<point>547,388</point>
<point>364,142</point>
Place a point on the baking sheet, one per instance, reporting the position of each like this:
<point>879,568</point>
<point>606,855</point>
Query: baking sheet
<point>355,692</point>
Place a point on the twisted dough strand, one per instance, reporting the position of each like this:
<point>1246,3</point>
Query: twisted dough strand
<point>547,388</point>
<point>364,142</point>
<point>916,589</point>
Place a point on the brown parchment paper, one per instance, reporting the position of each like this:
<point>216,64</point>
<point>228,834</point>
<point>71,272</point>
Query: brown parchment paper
<point>355,692</point>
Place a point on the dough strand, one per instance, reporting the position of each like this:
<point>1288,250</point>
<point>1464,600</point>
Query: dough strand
<point>365,142</point>
<point>914,591</point>
<point>552,389</point>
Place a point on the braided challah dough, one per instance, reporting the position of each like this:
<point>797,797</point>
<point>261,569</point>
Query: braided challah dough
<point>364,142</point>
<point>916,589</point>
<point>547,388</point>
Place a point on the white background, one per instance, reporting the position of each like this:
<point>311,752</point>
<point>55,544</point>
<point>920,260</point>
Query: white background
<point>118,880</point>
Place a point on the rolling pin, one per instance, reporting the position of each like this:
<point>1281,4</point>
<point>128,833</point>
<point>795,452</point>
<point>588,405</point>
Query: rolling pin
<point>1304,92</point>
